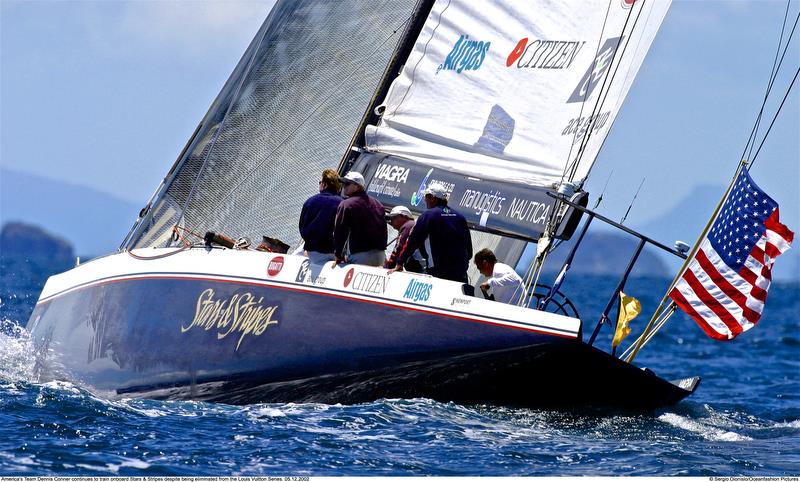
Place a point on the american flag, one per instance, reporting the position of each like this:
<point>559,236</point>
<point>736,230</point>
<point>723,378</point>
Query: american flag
<point>724,287</point>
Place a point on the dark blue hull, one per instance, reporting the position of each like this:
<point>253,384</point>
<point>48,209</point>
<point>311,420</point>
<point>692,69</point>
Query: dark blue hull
<point>239,340</point>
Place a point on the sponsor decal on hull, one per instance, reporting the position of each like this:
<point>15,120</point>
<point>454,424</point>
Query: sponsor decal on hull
<point>304,272</point>
<point>418,290</point>
<point>369,282</point>
<point>275,266</point>
<point>348,277</point>
<point>239,315</point>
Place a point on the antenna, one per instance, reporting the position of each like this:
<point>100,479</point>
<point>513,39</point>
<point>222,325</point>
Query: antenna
<point>622,221</point>
<point>600,199</point>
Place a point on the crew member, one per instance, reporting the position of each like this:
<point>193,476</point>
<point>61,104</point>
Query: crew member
<point>317,218</point>
<point>400,219</point>
<point>360,224</point>
<point>505,284</point>
<point>448,238</point>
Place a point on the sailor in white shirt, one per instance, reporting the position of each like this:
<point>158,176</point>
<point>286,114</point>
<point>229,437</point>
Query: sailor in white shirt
<point>505,284</point>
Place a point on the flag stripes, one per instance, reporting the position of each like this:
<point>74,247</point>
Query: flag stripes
<point>724,287</point>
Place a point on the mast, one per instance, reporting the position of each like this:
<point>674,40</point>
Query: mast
<point>404,47</point>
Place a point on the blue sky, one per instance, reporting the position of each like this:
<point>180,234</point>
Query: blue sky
<point>105,94</point>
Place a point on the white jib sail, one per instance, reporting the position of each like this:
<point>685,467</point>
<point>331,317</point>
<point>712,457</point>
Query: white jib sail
<point>519,91</point>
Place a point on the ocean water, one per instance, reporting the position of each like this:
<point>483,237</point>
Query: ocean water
<point>743,420</point>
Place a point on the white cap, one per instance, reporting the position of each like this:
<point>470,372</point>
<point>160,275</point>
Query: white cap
<point>354,178</point>
<point>436,190</point>
<point>400,210</point>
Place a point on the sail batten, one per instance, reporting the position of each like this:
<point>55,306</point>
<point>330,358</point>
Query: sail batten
<point>511,91</point>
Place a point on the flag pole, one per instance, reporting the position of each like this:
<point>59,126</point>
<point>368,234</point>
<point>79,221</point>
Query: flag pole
<point>660,308</point>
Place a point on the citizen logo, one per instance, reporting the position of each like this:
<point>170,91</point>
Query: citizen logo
<point>371,283</point>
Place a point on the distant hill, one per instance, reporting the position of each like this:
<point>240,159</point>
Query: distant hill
<point>29,255</point>
<point>604,253</point>
<point>94,222</point>
<point>687,219</point>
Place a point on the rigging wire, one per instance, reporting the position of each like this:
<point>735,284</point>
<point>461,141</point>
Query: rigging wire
<point>788,90</point>
<point>772,76</point>
<point>776,65</point>
<point>605,88</point>
<point>585,98</point>
<point>622,221</point>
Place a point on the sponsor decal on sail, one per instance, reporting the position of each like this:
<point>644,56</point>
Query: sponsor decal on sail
<point>578,126</point>
<point>482,202</point>
<point>393,173</point>
<point>596,71</point>
<point>466,55</point>
<point>275,265</point>
<point>239,314</point>
<point>418,290</point>
<point>544,54</point>
<point>388,180</point>
<point>497,132</point>
<point>416,198</point>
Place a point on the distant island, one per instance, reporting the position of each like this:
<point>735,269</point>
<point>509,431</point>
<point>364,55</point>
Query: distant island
<point>29,254</point>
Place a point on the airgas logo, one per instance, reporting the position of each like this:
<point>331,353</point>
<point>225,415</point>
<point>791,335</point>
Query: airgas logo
<point>393,173</point>
<point>418,291</point>
<point>466,55</point>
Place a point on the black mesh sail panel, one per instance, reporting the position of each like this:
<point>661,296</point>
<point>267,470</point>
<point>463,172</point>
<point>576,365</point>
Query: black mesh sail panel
<point>287,112</point>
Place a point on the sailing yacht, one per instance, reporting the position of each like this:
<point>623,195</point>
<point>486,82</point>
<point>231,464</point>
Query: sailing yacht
<point>504,105</point>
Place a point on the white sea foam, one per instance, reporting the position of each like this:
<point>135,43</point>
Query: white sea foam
<point>792,424</point>
<point>17,353</point>
<point>708,432</point>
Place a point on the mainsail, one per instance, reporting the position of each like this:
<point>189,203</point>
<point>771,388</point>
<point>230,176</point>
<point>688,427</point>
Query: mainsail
<point>524,92</point>
<point>287,112</point>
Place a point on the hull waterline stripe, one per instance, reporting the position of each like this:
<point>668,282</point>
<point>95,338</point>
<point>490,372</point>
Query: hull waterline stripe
<point>520,325</point>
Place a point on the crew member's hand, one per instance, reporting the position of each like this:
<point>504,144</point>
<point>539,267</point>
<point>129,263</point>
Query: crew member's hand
<point>399,267</point>
<point>484,286</point>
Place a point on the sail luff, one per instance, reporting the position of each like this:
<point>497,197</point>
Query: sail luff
<point>415,23</point>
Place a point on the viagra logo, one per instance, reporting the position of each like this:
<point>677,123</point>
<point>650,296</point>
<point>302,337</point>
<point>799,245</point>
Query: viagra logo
<point>466,55</point>
<point>393,173</point>
<point>597,70</point>
<point>418,291</point>
<point>275,266</point>
<point>303,272</point>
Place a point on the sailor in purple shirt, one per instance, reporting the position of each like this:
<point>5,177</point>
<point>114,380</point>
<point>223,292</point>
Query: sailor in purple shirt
<point>317,218</point>
<point>401,219</point>
<point>360,224</point>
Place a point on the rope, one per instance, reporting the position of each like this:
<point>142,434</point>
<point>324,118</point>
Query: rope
<point>179,237</point>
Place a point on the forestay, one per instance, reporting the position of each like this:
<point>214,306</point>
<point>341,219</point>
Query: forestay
<point>522,91</point>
